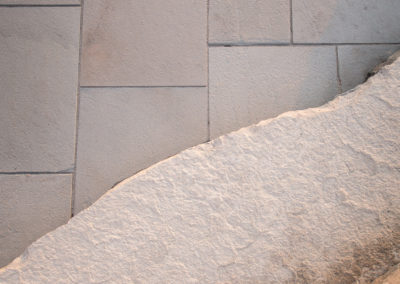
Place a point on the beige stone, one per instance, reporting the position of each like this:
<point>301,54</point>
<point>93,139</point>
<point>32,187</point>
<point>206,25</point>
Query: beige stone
<point>309,197</point>
<point>356,61</point>
<point>391,277</point>
<point>40,2</point>
<point>39,50</point>
<point>249,21</point>
<point>144,43</point>
<point>249,84</point>
<point>346,21</point>
<point>124,130</point>
<point>31,206</point>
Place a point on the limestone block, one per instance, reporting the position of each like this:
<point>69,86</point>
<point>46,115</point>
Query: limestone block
<point>249,21</point>
<point>311,196</point>
<point>124,130</point>
<point>40,2</point>
<point>356,61</point>
<point>346,21</point>
<point>249,84</point>
<point>39,50</point>
<point>144,43</point>
<point>31,206</point>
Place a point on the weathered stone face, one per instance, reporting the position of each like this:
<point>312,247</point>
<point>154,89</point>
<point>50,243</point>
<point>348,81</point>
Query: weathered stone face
<point>309,197</point>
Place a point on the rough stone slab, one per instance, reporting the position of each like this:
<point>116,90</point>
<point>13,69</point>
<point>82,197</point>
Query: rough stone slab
<point>356,61</point>
<point>124,130</point>
<point>346,21</point>
<point>31,206</point>
<point>144,43</point>
<point>309,197</point>
<point>249,21</point>
<point>39,50</point>
<point>249,84</point>
<point>392,277</point>
<point>40,2</point>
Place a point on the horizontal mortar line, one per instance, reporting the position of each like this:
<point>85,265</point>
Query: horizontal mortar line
<point>138,87</point>
<point>297,44</point>
<point>38,5</point>
<point>67,172</point>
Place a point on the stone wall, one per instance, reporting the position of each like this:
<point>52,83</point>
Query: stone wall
<point>94,91</point>
<point>311,196</point>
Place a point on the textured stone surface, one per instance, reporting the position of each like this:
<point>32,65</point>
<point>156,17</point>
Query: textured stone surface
<point>356,61</point>
<point>392,277</point>
<point>39,50</point>
<point>249,84</point>
<point>346,21</point>
<point>144,43</point>
<point>40,2</point>
<point>31,206</point>
<point>124,130</point>
<point>249,21</point>
<point>309,197</point>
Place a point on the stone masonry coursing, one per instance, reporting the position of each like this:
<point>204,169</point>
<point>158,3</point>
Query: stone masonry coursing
<point>94,91</point>
<point>311,196</point>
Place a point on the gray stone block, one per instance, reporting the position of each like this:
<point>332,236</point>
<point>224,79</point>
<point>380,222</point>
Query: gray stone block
<point>31,206</point>
<point>39,50</point>
<point>124,130</point>
<point>144,43</point>
<point>355,61</point>
<point>249,21</point>
<point>249,84</point>
<point>346,21</point>
<point>40,2</point>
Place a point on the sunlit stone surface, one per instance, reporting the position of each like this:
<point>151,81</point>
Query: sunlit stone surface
<point>309,197</point>
<point>391,277</point>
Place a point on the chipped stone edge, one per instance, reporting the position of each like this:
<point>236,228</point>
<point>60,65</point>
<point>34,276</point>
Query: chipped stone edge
<point>332,105</point>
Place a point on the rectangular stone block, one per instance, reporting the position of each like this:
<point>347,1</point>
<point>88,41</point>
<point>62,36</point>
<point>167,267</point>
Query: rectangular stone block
<point>249,21</point>
<point>39,50</point>
<point>355,61</point>
<point>249,84</point>
<point>144,43</point>
<point>40,2</point>
<point>31,206</point>
<point>125,130</point>
<point>346,21</point>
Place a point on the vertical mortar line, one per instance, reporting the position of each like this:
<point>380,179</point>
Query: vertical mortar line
<point>291,20</point>
<point>339,80</point>
<point>208,72</point>
<point>73,193</point>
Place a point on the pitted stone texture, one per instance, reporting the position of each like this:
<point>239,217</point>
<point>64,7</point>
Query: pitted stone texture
<point>309,197</point>
<point>31,206</point>
<point>125,130</point>
<point>249,21</point>
<point>346,21</point>
<point>356,61</point>
<point>144,43</point>
<point>40,2</point>
<point>392,277</point>
<point>39,51</point>
<point>249,84</point>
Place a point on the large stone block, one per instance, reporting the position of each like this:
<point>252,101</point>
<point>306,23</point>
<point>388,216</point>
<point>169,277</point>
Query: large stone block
<point>346,21</point>
<point>249,21</point>
<point>144,43</point>
<point>31,206</point>
<point>124,130</point>
<point>249,84</point>
<point>309,197</point>
<point>356,61</point>
<point>39,50</point>
<point>40,2</point>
